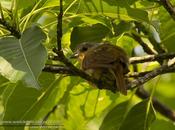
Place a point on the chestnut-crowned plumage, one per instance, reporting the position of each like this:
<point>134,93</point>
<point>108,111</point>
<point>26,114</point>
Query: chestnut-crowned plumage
<point>101,59</point>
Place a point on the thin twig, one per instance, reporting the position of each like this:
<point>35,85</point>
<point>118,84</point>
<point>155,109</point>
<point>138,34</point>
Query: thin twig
<point>49,113</point>
<point>137,74</point>
<point>149,58</point>
<point>146,48</point>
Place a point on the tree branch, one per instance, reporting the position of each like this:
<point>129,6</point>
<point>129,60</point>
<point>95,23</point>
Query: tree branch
<point>137,74</point>
<point>161,70</point>
<point>133,60</point>
<point>61,69</point>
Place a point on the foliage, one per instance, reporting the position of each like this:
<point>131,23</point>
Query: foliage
<point>27,40</point>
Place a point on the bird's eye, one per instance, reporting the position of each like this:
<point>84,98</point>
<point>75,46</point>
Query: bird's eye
<point>84,49</point>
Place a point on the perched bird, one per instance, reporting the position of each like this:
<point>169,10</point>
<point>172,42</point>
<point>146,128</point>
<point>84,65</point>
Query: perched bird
<point>105,62</point>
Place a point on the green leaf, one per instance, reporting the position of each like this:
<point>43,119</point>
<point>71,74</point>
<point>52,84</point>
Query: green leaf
<point>89,19</point>
<point>23,58</point>
<point>122,27</point>
<point>162,125</point>
<point>25,4</point>
<point>39,103</point>
<point>138,14</point>
<point>139,117</point>
<point>51,3</point>
<point>114,9</point>
<point>167,30</point>
<point>94,33</point>
<point>114,118</point>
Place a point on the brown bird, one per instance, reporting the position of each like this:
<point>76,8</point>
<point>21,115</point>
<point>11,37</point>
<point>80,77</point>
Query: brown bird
<point>105,62</point>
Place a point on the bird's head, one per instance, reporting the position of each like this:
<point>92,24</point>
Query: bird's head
<point>82,48</point>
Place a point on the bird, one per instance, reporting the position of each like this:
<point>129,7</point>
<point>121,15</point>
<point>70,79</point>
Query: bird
<point>104,61</point>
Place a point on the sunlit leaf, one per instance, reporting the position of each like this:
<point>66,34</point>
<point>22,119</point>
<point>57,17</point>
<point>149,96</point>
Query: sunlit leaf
<point>115,9</point>
<point>162,125</point>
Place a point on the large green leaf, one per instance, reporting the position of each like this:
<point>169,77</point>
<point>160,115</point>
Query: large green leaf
<point>94,33</point>
<point>23,58</point>
<point>139,117</point>
<point>120,9</point>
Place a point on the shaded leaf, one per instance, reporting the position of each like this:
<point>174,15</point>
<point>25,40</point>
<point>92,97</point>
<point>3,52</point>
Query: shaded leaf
<point>37,101</point>
<point>122,27</point>
<point>140,117</point>
<point>114,118</point>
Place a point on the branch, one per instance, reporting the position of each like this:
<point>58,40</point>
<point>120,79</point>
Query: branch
<point>161,70</point>
<point>168,6</point>
<point>58,69</point>
<point>137,74</point>
<point>149,58</point>
<point>133,60</point>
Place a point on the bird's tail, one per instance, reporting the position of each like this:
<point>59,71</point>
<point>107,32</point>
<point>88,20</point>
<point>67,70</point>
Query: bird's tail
<point>119,77</point>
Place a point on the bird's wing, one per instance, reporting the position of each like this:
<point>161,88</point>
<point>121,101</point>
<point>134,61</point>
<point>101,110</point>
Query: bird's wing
<point>102,56</point>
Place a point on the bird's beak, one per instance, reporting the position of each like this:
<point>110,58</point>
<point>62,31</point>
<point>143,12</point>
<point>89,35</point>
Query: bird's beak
<point>74,55</point>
